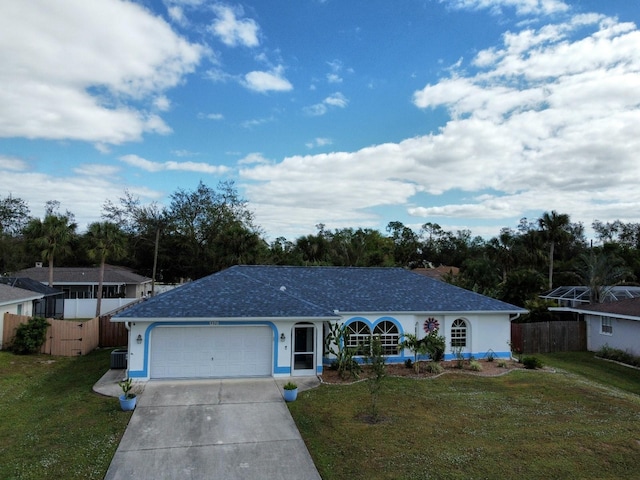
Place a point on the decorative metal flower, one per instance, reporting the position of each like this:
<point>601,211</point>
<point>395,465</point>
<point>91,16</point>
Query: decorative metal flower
<point>431,325</point>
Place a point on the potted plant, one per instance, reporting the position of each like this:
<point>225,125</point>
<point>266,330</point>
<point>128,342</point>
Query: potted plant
<point>128,398</point>
<point>290,391</point>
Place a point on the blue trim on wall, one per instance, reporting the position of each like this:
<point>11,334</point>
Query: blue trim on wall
<point>373,324</point>
<point>479,355</point>
<point>396,359</point>
<point>145,371</point>
<point>360,359</point>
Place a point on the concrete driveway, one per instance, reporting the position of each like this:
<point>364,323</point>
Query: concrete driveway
<point>212,429</point>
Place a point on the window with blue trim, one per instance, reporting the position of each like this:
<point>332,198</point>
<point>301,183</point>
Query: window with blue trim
<point>389,337</point>
<point>359,336</point>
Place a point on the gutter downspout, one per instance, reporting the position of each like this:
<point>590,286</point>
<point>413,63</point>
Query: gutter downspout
<point>128,327</point>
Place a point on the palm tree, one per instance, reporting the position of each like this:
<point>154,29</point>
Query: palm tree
<point>52,235</point>
<point>600,271</point>
<point>554,226</point>
<point>107,241</point>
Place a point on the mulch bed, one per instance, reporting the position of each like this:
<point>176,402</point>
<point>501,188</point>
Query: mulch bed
<point>489,369</point>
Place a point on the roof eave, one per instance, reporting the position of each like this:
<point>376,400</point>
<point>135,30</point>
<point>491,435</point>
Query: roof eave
<point>220,319</point>
<point>595,313</point>
<point>434,312</point>
<point>21,300</point>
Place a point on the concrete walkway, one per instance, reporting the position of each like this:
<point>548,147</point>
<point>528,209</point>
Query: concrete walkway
<point>212,429</point>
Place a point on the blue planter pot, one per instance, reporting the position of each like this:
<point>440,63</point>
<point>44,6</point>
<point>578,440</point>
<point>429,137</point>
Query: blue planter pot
<point>128,404</point>
<point>290,395</point>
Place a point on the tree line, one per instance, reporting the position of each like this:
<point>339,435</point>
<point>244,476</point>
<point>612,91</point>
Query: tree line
<point>207,229</point>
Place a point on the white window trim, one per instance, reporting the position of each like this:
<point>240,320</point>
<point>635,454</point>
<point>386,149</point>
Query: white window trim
<point>358,338</point>
<point>459,333</point>
<point>389,337</point>
<point>609,325</point>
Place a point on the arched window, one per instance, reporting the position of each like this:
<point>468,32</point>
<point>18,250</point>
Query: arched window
<point>389,337</point>
<point>459,333</point>
<point>359,336</point>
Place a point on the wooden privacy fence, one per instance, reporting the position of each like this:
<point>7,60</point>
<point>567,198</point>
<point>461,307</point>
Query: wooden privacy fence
<point>115,334</point>
<point>548,337</point>
<point>65,338</point>
<point>112,334</point>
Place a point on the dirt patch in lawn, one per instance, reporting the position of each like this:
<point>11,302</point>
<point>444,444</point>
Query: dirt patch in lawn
<point>488,369</point>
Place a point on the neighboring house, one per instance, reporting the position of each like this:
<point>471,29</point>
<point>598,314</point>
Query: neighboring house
<point>81,282</point>
<point>438,273</point>
<point>616,324</point>
<point>17,301</point>
<point>51,305</point>
<point>272,320</point>
<point>575,296</point>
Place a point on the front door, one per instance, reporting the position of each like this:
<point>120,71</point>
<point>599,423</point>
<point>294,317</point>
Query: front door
<point>304,350</point>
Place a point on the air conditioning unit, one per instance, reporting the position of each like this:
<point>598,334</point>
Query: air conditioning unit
<point>119,359</point>
<point>38,264</point>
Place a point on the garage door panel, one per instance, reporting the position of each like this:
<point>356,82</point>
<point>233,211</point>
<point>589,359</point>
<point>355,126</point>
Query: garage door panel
<point>209,352</point>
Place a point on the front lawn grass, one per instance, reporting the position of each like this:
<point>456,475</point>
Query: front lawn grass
<point>595,369</point>
<point>52,425</point>
<point>526,424</point>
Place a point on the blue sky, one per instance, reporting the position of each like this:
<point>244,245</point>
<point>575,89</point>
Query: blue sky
<point>467,113</point>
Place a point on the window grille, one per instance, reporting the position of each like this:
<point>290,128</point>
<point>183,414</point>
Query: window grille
<point>389,337</point>
<point>459,333</point>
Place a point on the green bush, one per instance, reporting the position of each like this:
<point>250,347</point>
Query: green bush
<point>618,355</point>
<point>435,346</point>
<point>459,357</point>
<point>30,336</point>
<point>434,367</point>
<point>531,362</point>
<point>475,366</point>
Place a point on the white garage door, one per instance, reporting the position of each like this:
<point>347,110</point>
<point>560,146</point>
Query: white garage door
<point>210,352</point>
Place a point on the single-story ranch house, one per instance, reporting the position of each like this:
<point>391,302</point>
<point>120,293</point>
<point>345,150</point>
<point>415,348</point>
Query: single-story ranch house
<point>17,301</point>
<point>614,324</point>
<point>82,282</point>
<point>272,320</point>
<point>51,305</point>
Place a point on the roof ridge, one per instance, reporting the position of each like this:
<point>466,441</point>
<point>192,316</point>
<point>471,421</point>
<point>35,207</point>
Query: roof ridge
<point>281,288</point>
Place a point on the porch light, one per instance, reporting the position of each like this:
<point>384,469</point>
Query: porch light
<point>139,339</point>
<point>283,337</point>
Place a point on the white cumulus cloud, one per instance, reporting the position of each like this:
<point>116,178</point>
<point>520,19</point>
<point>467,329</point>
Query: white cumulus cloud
<point>262,82</point>
<point>73,76</point>
<point>549,119</point>
<point>151,166</point>
<point>336,99</point>
<point>234,31</point>
<point>522,7</point>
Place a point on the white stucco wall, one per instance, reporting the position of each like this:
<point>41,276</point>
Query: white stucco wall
<point>485,332</point>
<point>140,353</point>
<point>625,334</point>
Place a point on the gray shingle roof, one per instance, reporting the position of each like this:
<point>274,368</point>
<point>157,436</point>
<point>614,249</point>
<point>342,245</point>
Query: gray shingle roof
<point>10,294</point>
<point>277,291</point>
<point>629,307</point>
<point>82,275</point>
<point>32,285</point>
